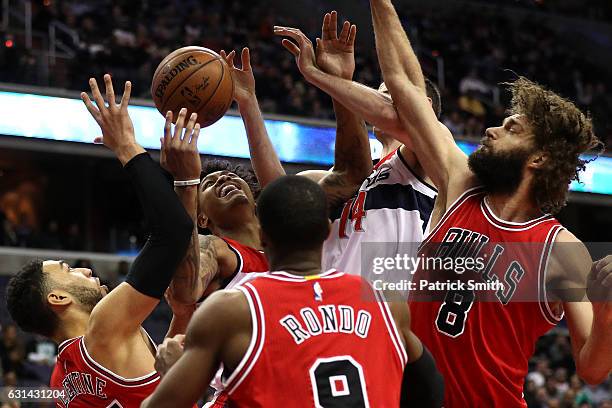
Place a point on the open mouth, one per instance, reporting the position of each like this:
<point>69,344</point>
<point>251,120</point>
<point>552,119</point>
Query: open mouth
<point>227,190</point>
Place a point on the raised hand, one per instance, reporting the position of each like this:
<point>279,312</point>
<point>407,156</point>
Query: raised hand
<point>335,54</point>
<point>244,81</point>
<point>114,120</point>
<point>179,150</point>
<point>302,51</point>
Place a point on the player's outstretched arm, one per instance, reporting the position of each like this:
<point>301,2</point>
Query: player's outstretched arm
<point>422,384</point>
<point>119,314</point>
<point>335,55</point>
<point>264,159</point>
<point>220,331</point>
<point>180,157</point>
<point>589,318</point>
<point>442,159</point>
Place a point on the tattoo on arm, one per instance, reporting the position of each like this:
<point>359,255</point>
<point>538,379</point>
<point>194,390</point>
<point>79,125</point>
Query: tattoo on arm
<point>352,160</point>
<point>209,263</point>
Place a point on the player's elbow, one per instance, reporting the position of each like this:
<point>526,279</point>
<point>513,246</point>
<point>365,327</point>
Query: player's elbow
<point>591,375</point>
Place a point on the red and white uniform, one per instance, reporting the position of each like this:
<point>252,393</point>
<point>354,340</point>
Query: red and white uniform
<point>323,339</point>
<point>249,260</point>
<point>89,385</point>
<point>482,347</point>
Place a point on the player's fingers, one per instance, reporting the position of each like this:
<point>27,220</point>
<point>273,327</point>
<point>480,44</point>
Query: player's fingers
<point>604,272</point>
<point>230,59</point>
<point>318,42</point>
<point>195,136</point>
<point>352,34</point>
<point>291,47</point>
<point>98,140</point>
<point>97,96</point>
<point>168,129</point>
<point>110,92</point>
<point>90,106</point>
<point>606,279</point>
<point>344,34</point>
<point>178,126</point>
<point>246,59</point>
<point>125,98</point>
<point>189,128</point>
<point>333,25</point>
<point>325,28</point>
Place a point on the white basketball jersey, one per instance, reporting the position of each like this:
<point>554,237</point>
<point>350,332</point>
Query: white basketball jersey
<point>392,206</point>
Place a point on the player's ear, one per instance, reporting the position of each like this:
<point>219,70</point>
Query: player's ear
<point>203,220</point>
<point>59,298</point>
<point>537,161</point>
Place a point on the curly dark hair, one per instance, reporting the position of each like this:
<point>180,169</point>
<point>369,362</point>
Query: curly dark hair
<point>26,300</point>
<point>245,173</point>
<point>562,132</point>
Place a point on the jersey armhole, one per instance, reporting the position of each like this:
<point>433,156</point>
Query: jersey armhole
<point>545,308</point>
<point>255,345</point>
<point>392,329</point>
<point>239,265</point>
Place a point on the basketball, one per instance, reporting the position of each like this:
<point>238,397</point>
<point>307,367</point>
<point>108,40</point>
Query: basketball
<point>195,78</point>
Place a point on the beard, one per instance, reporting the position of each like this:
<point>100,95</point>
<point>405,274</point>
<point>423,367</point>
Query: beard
<point>87,297</point>
<point>499,172</point>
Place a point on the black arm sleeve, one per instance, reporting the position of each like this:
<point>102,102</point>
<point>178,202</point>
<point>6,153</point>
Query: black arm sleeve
<point>170,228</point>
<point>422,385</point>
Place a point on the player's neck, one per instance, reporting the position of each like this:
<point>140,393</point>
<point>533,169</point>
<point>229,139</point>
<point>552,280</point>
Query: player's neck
<point>303,263</point>
<point>389,145</point>
<point>518,206</point>
<point>74,324</point>
<point>246,233</point>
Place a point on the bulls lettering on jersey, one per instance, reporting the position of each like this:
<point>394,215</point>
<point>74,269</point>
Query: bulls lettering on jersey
<point>316,337</point>
<point>392,205</point>
<point>87,384</point>
<point>482,344</point>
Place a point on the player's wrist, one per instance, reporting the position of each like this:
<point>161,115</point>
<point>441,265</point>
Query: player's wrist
<point>127,152</point>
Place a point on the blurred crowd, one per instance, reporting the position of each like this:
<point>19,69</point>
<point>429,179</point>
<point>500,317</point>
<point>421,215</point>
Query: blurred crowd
<point>130,38</point>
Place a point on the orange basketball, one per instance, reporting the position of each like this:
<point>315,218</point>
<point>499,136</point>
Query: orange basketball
<point>195,78</point>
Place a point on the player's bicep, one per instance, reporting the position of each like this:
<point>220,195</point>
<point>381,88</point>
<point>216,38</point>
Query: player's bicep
<point>120,313</point>
<point>314,175</point>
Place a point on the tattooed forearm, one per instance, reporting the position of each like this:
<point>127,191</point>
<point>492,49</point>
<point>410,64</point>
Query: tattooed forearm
<point>352,160</point>
<point>186,283</point>
<point>209,261</point>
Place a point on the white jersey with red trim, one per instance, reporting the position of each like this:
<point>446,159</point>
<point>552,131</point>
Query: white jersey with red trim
<point>393,206</point>
<point>87,384</point>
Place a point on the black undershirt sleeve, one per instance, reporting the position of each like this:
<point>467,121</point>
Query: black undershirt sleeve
<point>422,385</point>
<point>169,226</point>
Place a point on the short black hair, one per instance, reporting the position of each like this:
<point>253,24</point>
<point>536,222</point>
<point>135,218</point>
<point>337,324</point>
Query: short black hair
<point>293,213</point>
<point>434,94</point>
<point>26,299</point>
<point>245,173</point>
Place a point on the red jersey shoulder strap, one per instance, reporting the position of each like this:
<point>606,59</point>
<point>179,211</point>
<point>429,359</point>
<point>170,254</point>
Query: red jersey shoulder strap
<point>550,316</point>
<point>257,339</point>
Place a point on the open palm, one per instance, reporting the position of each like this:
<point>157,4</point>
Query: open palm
<point>335,54</point>
<point>244,81</point>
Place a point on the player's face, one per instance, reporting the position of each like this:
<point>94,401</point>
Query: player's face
<point>501,159</point>
<point>219,194</point>
<point>78,281</point>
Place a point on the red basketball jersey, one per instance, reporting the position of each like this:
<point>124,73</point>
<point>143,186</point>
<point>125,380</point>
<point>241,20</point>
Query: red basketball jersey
<point>317,340</point>
<point>482,347</point>
<point>89,385</point>
<point>249,260</point>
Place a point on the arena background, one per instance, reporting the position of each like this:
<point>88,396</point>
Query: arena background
<point>70,199</point>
